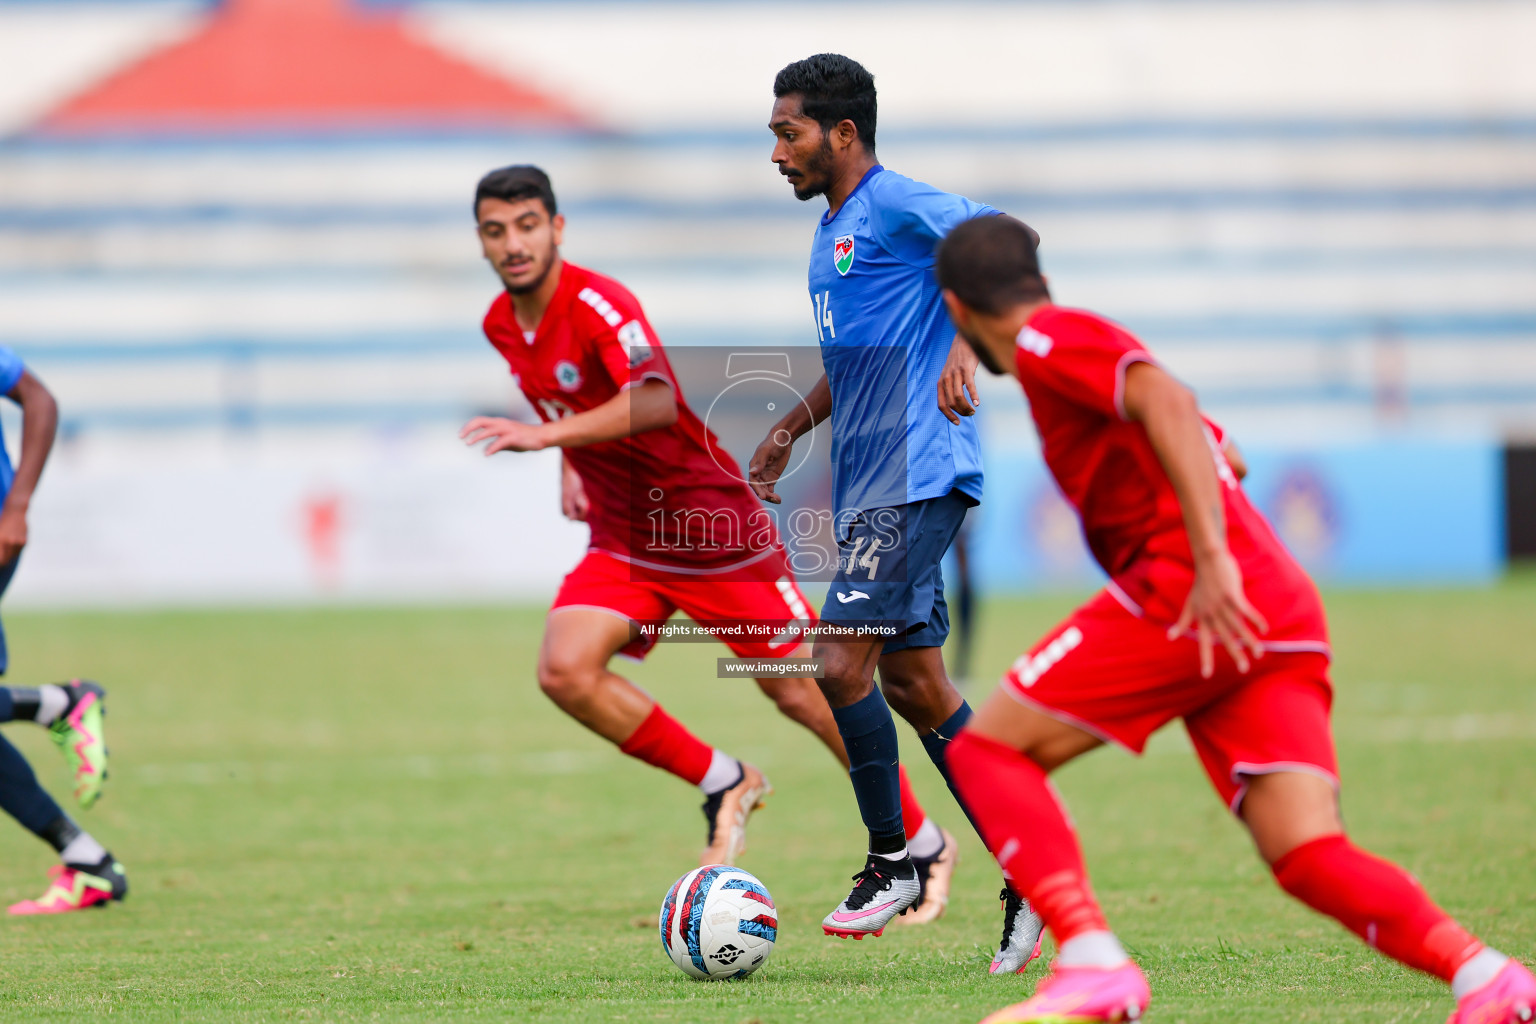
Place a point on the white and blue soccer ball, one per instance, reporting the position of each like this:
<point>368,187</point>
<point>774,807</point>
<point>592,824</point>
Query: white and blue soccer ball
<point>718,923</point>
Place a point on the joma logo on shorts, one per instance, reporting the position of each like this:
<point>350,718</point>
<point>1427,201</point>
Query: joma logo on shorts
<point>1029,669</point>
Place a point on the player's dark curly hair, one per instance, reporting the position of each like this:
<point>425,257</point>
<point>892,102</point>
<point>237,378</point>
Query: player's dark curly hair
<point>991,264</point>
<point>519,181</point>
<point>832,88</point>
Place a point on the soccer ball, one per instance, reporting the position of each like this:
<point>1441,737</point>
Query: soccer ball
<point>718,923</point>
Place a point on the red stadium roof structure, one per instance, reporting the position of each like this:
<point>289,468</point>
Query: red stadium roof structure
<point>308,67</point>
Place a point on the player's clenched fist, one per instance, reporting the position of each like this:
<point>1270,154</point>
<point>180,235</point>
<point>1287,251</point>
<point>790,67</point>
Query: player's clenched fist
<point>13,533</point>
<point>504,435</point>
<point>768,464</point>
<point>1216,607</point>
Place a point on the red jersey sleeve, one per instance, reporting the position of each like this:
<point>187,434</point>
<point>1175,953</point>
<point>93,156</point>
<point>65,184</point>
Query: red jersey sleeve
<point>624,340</point>
<point>1081,357</point>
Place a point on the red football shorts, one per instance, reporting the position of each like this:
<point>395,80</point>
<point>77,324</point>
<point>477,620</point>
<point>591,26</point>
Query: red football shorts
<point>1118,676</point>
<point>763,596</point>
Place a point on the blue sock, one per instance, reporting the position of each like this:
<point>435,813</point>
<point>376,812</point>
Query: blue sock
<point>869,733</point>
<point>937,742</point>
<point>26,801</point>
<point>19,702</point>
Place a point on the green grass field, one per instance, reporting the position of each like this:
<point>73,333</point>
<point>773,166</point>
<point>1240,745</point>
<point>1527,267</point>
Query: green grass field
<point>374,815</point>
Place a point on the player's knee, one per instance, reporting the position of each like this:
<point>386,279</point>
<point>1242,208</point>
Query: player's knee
<point>903,700</point>
<point>842,681</point>
<point>1285,810</point>
<point>566,680</point>
<point>919,698</point>
<point>903,691</point>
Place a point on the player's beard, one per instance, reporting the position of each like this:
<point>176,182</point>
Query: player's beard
<point>536,283</point>
<point>984,355</point>
<point>817,176</point>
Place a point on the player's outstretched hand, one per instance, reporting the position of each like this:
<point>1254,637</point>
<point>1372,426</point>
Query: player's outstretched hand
<point>768,464</point>
<point>1217,608</point>
<point>504,435</point>
<point>957,382</point>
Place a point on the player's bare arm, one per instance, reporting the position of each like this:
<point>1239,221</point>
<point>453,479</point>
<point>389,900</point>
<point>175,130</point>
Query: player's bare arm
<point>648,405</point>
<point>957,383</point>
<point>1216,608</point>
<point>772,454</point>
<point>39,423</point>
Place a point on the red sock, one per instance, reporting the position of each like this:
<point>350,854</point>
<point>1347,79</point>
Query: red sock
<point>662,741</point>
<point>912,813</point>
<point>1378,901</point>
<point>1027,831</point>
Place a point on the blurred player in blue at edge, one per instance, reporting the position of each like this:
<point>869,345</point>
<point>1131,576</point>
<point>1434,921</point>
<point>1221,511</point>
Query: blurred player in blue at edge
<point>905,467</point>
<point>87,875</point>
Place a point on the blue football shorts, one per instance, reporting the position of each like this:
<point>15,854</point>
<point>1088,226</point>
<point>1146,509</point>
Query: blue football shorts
<point>889,579</point>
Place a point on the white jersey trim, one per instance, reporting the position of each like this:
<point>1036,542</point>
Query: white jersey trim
<point>1244,770</point>
<point>649,375</point>
<point>1297,646</point>
<point>1141,355</point>
<point>1125,599</point>
<point>1280,646</point>
<point>683,571</point>
<point>1013,690</point>
<point>590,608</point>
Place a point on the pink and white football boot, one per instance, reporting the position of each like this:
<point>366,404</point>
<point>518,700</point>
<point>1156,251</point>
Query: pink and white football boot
<point>884,889</point>
<point>1082,995</point>
<point>1509,998</point>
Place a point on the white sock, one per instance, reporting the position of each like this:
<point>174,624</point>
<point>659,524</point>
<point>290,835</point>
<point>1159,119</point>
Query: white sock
<point>1092,949</point>
<point>83,850</point>
<point>51,702</point>
<point>903,854</point>
<point>928,841</point>
<point>723,771</point>
<point>1477,972</point>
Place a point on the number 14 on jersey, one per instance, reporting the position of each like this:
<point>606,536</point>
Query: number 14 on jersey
<point>822,303</point>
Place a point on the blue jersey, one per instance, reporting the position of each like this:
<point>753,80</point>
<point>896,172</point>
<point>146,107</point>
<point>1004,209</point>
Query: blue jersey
<point>11,369</point>
<point>885,336</point>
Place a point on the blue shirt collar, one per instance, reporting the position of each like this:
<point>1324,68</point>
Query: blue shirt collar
<point>827,218</point>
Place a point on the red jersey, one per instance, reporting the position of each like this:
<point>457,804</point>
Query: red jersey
<point>667,498</point>
<point>1072,365</point>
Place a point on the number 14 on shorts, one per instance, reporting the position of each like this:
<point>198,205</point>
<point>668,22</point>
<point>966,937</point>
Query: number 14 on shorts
<point>868,560</point>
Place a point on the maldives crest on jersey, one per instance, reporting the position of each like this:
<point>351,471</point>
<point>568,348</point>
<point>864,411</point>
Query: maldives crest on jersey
<point>842,254</point>
<point>567,376</point>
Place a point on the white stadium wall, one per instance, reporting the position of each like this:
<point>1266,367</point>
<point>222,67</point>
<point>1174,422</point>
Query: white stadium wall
<point>1322,215</point>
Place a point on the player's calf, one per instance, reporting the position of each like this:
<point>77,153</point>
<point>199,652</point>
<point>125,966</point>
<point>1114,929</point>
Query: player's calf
<point>1294,820</point>
<point>801,701</point>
